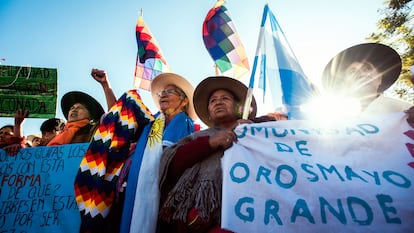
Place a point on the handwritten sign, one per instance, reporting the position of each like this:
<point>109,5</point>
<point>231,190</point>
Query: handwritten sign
<point>28,88</point>
<point>36,189</point>
<point>297,176</point>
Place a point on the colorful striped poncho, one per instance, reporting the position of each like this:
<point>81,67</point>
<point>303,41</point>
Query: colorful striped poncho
<point>95,182</point>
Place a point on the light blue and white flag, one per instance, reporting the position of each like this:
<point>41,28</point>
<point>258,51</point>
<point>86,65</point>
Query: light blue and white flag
<point>281,78</point>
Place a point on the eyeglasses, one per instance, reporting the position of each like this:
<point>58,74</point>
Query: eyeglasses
<point>168,92</point>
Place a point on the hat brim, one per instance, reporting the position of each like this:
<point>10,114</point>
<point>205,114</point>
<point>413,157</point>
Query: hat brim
<point>73,97</point>
<point>385,59</point>
<point>162,80</point>
<point>206,87</point>
<point>31,137</point>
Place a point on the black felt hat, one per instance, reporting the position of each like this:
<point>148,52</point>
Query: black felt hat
<point>385,59</point>
<point>73,97</point>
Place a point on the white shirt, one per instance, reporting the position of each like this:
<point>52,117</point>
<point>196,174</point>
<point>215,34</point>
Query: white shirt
<point>383,104</point>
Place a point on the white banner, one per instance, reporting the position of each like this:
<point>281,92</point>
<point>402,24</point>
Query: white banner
<point>297,176</point>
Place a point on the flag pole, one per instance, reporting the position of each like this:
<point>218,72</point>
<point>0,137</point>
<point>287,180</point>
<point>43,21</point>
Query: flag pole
<point>249,95</point>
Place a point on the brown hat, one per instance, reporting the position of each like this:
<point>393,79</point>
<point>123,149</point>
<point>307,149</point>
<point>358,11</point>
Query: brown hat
<point>206,87</point>
<point>73,97</point>
<point>385,59</point>
<point>164,79</point>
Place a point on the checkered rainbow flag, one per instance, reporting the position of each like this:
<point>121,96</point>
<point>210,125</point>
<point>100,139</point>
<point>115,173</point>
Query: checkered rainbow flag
<point>223,42</point>
<point>150,61</point>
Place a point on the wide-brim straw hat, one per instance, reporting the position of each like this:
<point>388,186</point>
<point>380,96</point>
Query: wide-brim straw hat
<point>385,59</point>
<point>206,87</point>
<point>162,80</point>
<point>31,137</point>
<point>94,107</point>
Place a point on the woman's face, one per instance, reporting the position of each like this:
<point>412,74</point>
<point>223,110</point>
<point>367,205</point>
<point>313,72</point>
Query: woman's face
<point>36,142</point>
<point>362,79</point>
<point>78,112</point>
<point>221,106</point>
<point>171,100</point>
<point>5,135</point>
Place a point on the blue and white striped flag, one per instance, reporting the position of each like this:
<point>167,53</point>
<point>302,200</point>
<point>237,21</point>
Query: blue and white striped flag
<point>281,77</point>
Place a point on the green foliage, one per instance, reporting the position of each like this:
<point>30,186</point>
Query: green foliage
<point>396,29</point>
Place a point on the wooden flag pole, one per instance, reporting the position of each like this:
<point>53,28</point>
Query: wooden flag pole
<point>249,95</point>
<point>216,70</point>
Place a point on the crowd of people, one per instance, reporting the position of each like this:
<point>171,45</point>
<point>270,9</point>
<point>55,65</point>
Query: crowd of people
<point>160,172</point>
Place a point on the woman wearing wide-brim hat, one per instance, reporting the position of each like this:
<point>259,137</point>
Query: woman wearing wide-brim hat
<point>191,175</point>
<point>364,72</point>
<point>173,96</point>
<point>129,142</point>
<point>34,140</point>
<point>82,113</point>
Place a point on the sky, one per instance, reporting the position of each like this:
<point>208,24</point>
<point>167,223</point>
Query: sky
<point>78,35</point>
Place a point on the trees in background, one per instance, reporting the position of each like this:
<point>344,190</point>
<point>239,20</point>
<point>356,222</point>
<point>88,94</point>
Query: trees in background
<point>396,29</point>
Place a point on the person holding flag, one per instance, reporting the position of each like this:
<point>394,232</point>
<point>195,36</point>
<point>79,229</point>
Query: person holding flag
<point>190,170</point>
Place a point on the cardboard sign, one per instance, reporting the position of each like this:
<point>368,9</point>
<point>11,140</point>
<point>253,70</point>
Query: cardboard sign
<point>28,88</point>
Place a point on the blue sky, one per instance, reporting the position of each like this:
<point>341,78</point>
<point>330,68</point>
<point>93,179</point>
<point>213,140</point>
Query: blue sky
<point>76,36</point>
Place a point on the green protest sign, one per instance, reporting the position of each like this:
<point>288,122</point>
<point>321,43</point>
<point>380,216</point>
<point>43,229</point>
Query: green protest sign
<point>28,88</point>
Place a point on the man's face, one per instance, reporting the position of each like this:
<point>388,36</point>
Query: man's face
<point>78,112</point>
<point>361,79</point>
